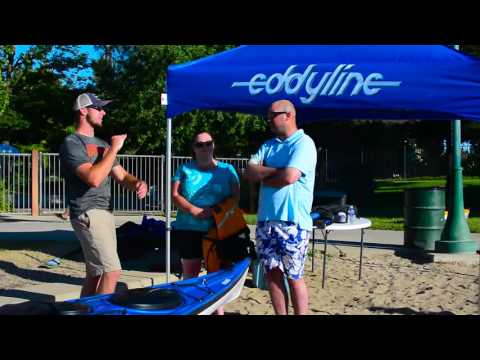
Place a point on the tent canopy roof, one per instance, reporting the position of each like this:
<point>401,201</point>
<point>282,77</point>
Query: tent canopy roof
<point>328,82</point>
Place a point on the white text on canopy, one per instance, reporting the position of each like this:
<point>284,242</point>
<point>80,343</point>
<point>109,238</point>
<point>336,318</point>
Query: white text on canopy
<point>330,84</point>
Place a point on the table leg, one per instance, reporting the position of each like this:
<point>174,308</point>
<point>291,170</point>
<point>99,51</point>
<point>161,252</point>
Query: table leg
<point>313,251</point>
<point>324,258</point>
<point>361,256</point>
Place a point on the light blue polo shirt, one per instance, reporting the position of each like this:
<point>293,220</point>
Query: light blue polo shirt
<point>292,202</point>
<point>203,188</point>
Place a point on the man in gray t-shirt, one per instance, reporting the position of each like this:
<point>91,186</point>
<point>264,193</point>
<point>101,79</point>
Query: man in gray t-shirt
<point>88,163</point>
<point>78,149</point>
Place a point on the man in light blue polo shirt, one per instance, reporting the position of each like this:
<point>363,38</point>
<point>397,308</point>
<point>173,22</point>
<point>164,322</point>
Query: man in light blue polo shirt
<point>285,166</point>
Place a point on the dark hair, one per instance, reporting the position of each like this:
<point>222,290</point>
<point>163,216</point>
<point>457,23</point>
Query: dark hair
<point>76,117</point>
<point>193,141</point>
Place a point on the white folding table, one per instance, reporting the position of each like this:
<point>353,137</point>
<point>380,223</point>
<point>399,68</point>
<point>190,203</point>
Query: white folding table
<point>359,224</point>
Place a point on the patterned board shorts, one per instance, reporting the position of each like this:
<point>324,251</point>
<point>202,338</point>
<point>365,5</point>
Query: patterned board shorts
<point>284,245</point>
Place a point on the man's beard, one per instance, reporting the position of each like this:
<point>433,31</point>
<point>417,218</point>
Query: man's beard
<point>94,125</point>
<point>276,131</point>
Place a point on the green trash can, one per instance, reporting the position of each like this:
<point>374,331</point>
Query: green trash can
<point>424,217</point>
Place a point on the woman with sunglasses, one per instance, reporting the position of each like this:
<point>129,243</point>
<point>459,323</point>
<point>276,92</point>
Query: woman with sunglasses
<point>197,186</point>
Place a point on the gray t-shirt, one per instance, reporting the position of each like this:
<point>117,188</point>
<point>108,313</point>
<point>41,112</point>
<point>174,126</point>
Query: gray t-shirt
<point>76,150</point>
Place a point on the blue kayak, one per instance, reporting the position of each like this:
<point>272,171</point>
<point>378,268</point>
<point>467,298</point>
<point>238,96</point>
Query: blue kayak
<point>197,296</point>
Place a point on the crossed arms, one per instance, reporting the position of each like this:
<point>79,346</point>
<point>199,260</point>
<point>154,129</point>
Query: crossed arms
<point>275,177</point>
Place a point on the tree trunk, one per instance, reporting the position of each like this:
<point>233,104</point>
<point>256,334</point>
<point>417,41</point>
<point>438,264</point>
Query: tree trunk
<point>10,67</point>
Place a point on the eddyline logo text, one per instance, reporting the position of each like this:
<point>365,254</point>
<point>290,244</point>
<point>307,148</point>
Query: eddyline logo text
<point>330,84</point>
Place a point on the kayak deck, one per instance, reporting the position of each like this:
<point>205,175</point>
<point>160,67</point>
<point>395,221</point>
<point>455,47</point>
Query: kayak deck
<point>201,295</point>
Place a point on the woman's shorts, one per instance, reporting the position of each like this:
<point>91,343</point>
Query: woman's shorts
<point>189,243</point>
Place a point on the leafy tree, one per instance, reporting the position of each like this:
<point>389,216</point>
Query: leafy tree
<point>471,49</point>
<point>40,85</point>
<point>134,76</point>
<point>3,96</point>
<point>5,203</point>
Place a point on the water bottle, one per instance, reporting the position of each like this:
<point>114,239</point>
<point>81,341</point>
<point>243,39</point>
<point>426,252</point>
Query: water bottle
<point>351,214</point>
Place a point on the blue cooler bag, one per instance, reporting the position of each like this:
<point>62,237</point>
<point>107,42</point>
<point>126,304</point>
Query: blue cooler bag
<point>258,277</point>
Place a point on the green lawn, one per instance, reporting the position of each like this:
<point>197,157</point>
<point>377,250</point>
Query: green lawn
<point>251,219</point>
<point>386,208</point>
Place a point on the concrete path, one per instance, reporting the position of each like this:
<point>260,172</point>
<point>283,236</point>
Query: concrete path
<point>48,227</point>
<point>52,228</point>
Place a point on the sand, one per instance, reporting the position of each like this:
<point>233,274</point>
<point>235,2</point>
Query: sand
<point>390,284</point>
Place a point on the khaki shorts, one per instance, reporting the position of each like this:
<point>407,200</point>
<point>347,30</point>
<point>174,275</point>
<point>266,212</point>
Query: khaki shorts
<point>95,229</point>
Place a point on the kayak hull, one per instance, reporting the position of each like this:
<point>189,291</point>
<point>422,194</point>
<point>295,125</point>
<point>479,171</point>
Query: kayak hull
<point>197,296</point>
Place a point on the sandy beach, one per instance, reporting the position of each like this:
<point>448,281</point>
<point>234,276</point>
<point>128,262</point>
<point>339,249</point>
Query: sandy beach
<point>391,283</point>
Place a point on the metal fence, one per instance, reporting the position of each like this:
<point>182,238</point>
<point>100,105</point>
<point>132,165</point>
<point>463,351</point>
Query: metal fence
<point>340,166</point>
<point>52,184</point>
<point>177,161</point>
<point>16,183</point>
<point>152,170</point>
<point>336,163</point>
<point>148,168</point>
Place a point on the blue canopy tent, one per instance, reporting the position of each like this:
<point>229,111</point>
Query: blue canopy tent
<point>332,82</point>
<point>8,149</point>
<point>328,82</point>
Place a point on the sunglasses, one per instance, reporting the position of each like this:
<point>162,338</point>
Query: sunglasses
<point>271,115</point>
<point>203,144</point>
<point>98,108</point>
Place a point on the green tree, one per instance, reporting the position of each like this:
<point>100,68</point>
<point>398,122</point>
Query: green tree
<point>40,85</point>
<point>3,96</point>
<point>5,203</point>
<point>134,77</point>
<point>471,49</point>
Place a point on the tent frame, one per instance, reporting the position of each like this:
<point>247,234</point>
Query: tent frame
<point>455,236</point>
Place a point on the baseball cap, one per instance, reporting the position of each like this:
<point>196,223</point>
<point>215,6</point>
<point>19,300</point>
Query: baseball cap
<point>89,99</point>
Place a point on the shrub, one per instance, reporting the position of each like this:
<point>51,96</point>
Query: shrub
<point>5,204</point>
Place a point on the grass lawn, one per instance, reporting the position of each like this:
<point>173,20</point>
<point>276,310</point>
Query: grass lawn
<point>251,219</point>
<point>386,207</point>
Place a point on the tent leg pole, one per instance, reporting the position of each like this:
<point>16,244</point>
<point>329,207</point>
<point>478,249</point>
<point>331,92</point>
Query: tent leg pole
<point>168,200</point>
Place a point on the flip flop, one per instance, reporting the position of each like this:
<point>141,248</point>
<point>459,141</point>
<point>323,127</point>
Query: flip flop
<point>52,263</point>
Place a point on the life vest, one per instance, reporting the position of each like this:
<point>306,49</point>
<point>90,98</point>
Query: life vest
<point>229,240</point>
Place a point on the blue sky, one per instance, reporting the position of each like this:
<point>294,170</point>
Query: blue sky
<point>86,49</point>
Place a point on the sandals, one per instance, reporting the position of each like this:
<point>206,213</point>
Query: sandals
<point>52,263</point>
